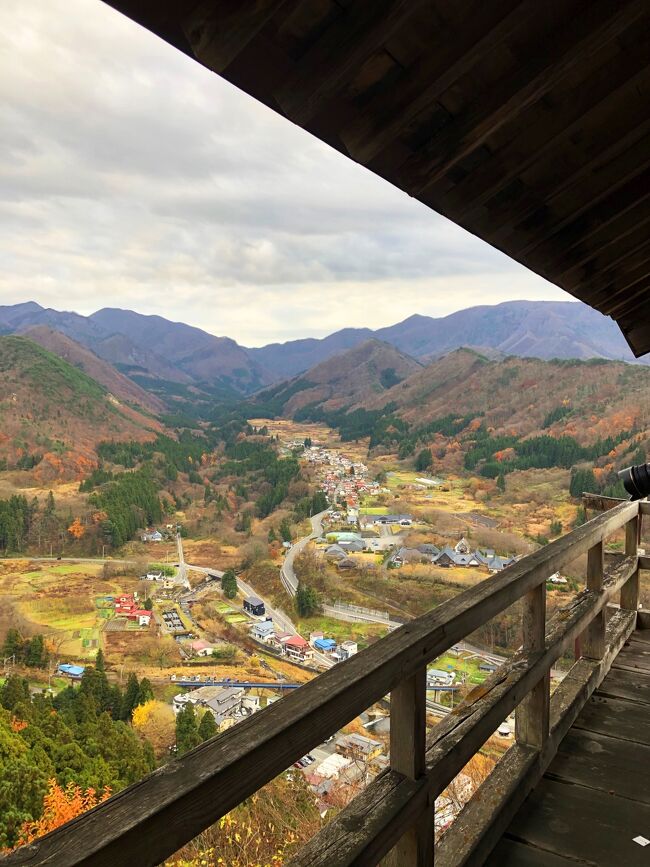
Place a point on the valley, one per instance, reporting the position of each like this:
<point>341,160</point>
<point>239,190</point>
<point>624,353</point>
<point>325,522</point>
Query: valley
<point>223,547</point>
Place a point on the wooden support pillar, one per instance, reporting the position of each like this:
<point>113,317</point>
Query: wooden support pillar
<point>532,714</point>
<point>408,708</point>
<point>593,644</point>
<point>630,590</point>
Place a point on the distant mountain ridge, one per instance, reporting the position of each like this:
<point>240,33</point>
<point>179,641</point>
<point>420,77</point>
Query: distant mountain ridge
<point>351,377</point>
<point>153,349</point>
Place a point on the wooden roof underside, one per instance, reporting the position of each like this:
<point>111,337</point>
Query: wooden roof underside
<point>524,122</point>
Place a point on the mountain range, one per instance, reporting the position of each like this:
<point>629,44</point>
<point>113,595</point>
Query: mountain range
<point>155,352</point>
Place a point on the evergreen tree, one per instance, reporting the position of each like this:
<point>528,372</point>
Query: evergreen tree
<point>285,530</point>
<point>424,460</point>
<point>131,695</point>
<point>14,690</point>
<point>145,693</point>
<point>36,655</point>
<point>13,644</point>
<point>50,505</point>
<point>229,584</point>
<point>187,735</point>
<point>272,537</point>
<point>501,482</point>
<point>100,664</point>
<point>207,726</point>
<point>307,601</point>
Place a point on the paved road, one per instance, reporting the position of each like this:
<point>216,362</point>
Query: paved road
<point>287,573</point>
<point>276,614</point>
<point>181,575</point>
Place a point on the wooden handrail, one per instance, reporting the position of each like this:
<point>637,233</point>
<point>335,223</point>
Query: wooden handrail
<point>150,820</point>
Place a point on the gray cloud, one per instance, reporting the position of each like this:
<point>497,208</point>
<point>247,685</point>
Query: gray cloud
<point>133,177</point>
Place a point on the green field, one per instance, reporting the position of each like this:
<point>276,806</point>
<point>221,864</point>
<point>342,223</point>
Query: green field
<point>459,664</point>
<point>373,510</point>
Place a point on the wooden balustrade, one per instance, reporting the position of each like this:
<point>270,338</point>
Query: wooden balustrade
<point>393,818</point>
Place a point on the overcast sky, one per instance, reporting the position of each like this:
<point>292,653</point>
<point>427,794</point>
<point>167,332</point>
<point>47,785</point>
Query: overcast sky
<point>132,177</point>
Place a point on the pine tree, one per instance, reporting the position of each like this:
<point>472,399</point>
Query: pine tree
<point>145,693</point>
<point>501,482</point>
<point>13,644</point>
<point>14,690</point>
<point>100,664</point>
<point>187,735</point>
<point>229,584</point>
<point>207,726</point>
<point>50,505</point>
<point>131,694</point>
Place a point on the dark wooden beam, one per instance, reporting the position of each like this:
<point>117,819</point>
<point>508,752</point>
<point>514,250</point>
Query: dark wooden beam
<point>538,205</point>
<point>327,66</point>
<point>485,27</point>
<point>217,32</point>
<point>547,133</point>
<point>577,228</point>
<point>572,45</point>
<point>599,267</point>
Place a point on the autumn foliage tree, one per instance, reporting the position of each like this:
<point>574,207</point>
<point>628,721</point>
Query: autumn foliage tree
<point>76,529</point>
<point>60,805</point>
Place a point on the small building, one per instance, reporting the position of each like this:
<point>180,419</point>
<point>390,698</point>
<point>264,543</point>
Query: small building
<point>346,563</point>
<point>200,647</point>
<point>297,648</point>
<point>344,651</point>
<point>335,552</point>
<point>263,631</point>
<point>254,605</point>
<point>438,677</point>
<point>357,747</point>
<point>223,702</point>
<point>325,645</point>
<point>333,766</point>
<point>153,575</point>
<point>462,546</point>
<point>74,672</point>
<point>152,536</point>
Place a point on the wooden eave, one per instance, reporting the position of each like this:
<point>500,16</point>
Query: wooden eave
<point>524,122</point>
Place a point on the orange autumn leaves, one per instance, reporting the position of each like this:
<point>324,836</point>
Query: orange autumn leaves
<point>60,805</point>
<point>76,529</point>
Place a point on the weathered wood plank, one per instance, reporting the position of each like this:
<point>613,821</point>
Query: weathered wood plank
<point>531,716</point>
<point>632,685</point>
<point>635,658</point>
<point>583,824</point>
<point>453,741</point>
<point>601,762</point>
<point>484,819</point>
<point>513,853</point>
<point>593,641</point>
<point>599,503</point>
<point>630,592</point>
<point>615,717</point>
<point>155,817</point>
<point>408,730</point>
<point>366,829</point>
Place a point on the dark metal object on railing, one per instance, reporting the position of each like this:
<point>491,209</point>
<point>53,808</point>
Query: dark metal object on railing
<point>150,820</point>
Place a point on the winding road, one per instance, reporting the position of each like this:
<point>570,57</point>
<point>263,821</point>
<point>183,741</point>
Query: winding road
<point>288,573</point>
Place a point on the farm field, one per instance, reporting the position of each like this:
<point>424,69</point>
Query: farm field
<point>66,602</point>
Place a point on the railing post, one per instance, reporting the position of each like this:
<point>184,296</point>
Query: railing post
<point>630,590</point>
<point>408,724</point>
<point>593,644</point>
<point>532,714</point>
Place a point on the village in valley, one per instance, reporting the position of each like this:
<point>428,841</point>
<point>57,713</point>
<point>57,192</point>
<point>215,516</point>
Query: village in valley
<point>214,640</point>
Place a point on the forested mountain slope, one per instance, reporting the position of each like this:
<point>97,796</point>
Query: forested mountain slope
<point>53,414</point>
<point>349,378</point>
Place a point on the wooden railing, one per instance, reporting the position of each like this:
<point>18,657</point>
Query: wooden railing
<point>393,817</point>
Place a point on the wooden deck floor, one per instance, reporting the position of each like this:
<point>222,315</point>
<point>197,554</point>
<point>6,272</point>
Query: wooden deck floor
<point>595,797</point>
